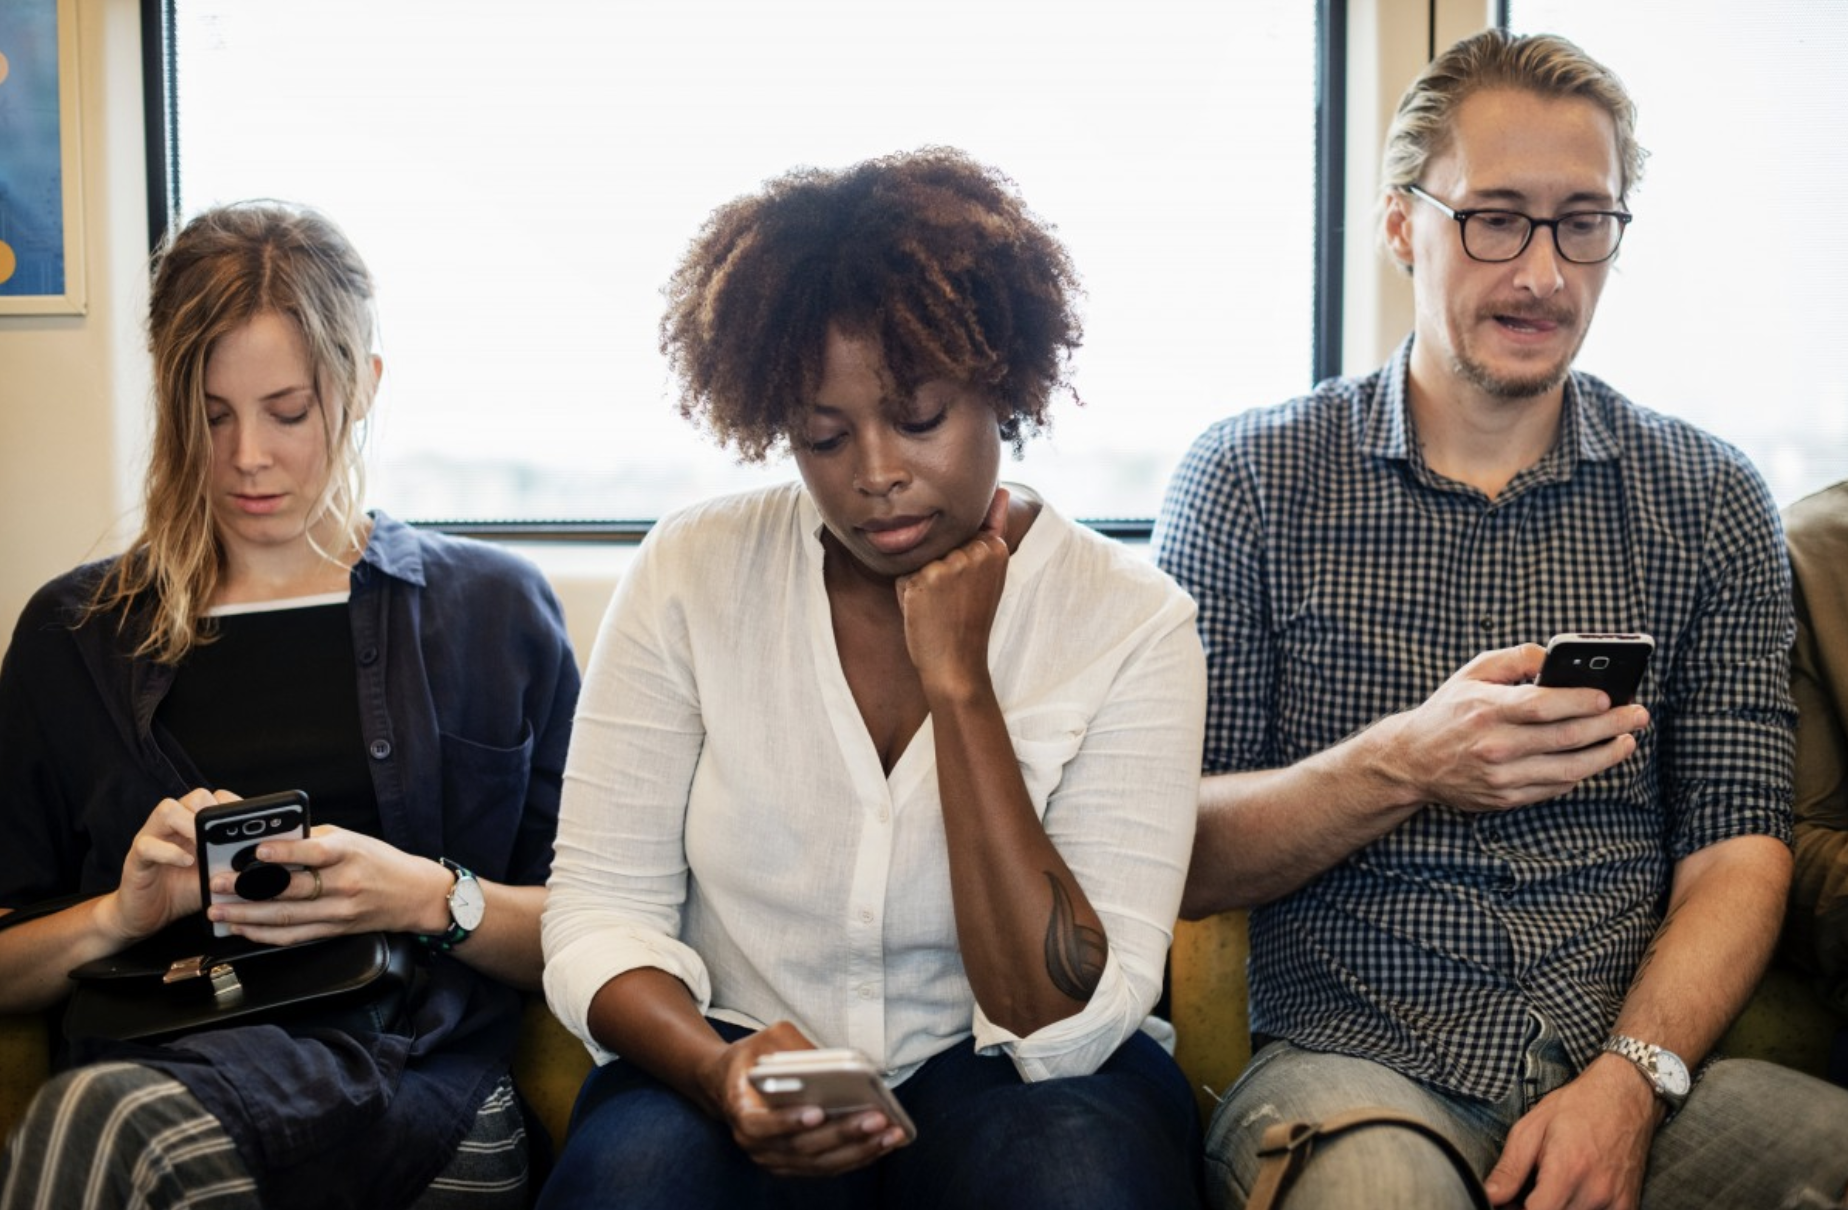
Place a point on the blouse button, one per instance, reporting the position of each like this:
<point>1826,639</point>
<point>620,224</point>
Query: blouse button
<point>866,991</point>
<point>368,656</point>
<point>380,749</point>
<point>866,917</point>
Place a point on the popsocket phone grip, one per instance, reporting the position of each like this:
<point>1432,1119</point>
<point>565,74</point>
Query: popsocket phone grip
<point>257,879</point>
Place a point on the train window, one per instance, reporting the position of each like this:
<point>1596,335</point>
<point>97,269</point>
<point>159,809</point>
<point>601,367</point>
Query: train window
<point>1726,306</point>
<point>522,179</point>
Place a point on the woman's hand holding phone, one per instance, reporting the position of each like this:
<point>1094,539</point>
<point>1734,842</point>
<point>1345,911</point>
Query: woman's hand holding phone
<point>160,879</point>
<point>792,1140</point>
<point>345,882</point>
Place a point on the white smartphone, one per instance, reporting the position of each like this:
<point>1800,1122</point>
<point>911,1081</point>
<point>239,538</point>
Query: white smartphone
<point>226,836</point>
<point>839,1081</point>
<point>1611,662</point>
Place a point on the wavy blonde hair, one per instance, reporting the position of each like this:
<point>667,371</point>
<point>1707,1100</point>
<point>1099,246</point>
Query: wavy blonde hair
<point>211,277</point>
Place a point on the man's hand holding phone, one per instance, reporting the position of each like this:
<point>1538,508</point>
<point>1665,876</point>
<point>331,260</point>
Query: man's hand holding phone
<point>793,1136</point>
<point>1490,738</point>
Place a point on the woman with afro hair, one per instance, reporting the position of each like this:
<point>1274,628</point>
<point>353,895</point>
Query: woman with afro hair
<point>894,758</point>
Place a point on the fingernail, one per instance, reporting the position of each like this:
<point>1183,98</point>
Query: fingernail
<point>264,853</point>
<point>812,1116</point>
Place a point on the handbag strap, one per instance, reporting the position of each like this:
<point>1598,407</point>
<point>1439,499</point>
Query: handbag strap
<point>1286,1148</point>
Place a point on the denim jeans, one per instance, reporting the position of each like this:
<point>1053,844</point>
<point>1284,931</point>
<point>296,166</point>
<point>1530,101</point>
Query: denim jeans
<point>1127,1136</point>
<point>1752,1135</point>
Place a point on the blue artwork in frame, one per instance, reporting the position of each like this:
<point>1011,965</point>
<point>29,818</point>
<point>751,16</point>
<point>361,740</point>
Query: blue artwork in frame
<point>36,154</point>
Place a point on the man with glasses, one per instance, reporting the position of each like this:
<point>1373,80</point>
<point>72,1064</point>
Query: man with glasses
<point>1521,916</point>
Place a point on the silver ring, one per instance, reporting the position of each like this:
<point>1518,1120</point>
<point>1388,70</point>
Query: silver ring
<point>317,885</point>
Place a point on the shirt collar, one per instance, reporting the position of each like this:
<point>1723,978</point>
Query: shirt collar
<point>393,550</point>
<point>1387,430</point>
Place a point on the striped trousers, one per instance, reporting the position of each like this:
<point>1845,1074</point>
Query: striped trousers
<point>118,1136</point>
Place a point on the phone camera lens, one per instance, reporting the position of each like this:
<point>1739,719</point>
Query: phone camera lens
<point>253,827</point>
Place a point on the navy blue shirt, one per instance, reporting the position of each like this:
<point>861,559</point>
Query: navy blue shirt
<point>1339,579</point>
<point>467,685</point>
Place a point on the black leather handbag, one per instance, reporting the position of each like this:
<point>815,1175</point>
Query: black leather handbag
<point>157,990</point>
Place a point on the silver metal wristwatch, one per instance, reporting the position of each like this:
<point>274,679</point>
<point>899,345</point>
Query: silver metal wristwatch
<point>1666,1073</point>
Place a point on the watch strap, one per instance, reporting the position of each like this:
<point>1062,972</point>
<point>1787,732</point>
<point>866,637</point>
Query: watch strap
<point>1646,1058</point>
<point>456,935</point>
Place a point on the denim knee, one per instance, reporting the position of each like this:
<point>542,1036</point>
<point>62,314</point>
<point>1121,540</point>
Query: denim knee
<point>1753,1133</point>
<point>1383,1167</point>
<point>632,1134</point>
<point>1125,1136</point>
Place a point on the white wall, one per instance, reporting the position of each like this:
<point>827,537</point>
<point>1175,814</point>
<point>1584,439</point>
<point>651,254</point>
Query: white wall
<point>73,390</point>
<point>72,387</point>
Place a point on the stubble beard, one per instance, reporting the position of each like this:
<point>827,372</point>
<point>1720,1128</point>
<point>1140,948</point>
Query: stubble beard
<point>1514,386</point>
<point>1498,386</point>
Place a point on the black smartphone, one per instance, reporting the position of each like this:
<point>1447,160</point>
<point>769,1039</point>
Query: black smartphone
<point>839,1081</point>
<point>226,836</point>
<point>1611,662</point>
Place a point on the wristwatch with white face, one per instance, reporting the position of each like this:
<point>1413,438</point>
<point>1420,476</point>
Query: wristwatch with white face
<point>466,908</point>
<point>1666,1073</point>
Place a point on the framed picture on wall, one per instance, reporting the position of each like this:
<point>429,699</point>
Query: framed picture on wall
<point>41,182</point>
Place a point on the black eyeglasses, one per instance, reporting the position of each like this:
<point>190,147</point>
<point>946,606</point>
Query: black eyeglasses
<point>1583,237</point>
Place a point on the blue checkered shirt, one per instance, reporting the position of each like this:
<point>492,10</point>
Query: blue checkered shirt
<point>1340,579</point>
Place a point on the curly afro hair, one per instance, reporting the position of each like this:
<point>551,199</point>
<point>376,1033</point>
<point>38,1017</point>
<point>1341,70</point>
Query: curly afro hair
<point>929,254</point>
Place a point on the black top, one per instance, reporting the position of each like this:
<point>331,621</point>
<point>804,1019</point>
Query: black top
<point>273,704</point>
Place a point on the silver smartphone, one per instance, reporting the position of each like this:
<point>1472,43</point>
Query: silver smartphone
<point>1612,662</point>
<point>839,1081</point>
<point>226,836</point>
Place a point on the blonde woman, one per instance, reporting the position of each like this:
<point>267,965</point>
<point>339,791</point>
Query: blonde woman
<point>264,633</point>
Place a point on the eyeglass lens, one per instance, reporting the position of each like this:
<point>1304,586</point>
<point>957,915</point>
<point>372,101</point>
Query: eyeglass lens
<point>1494,235</point>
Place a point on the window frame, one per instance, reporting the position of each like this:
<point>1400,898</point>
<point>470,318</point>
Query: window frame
<point>160,118</point>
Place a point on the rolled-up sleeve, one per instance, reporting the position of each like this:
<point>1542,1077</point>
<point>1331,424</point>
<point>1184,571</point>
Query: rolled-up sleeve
<point>1729,727</point>
<point>1122,817</point>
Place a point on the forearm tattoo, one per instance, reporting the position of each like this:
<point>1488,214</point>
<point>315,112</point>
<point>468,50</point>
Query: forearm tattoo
<point>1649,952</point>
<point>1074,954</point>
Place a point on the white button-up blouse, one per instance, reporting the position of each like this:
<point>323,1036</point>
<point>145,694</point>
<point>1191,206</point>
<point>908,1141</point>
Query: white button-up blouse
<point>727,820</point>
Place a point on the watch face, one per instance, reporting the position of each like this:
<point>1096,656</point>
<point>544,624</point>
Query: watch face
<point>1672,1073</point>
<point>466,904</point>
